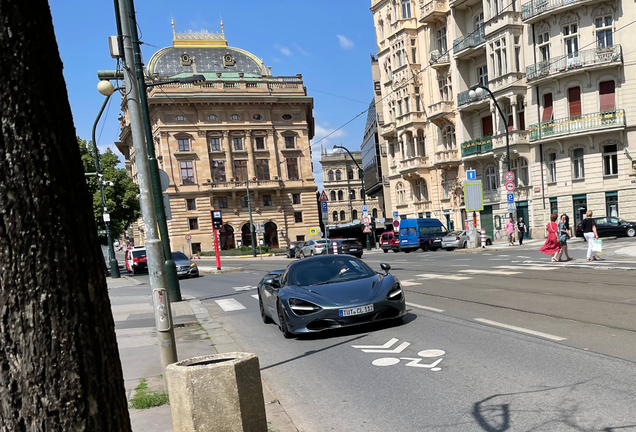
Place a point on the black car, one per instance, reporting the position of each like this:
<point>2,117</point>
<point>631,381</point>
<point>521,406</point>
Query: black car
<point>185,267</point>
<point>349,246</point>
<point>611,226</point>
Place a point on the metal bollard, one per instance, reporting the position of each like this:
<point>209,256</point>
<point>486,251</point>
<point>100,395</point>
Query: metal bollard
<point>483,238</point>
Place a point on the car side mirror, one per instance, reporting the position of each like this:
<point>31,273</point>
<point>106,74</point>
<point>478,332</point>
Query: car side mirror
<point>386,267</point>
<point>273,282</point>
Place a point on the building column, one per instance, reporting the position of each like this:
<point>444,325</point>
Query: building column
<point>273,147</point>
<point>229,164</point>
<point>513,106</point>
<point>251,164</point>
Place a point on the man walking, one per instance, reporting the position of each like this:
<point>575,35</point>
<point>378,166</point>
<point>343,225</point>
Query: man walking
<point>521,227</point>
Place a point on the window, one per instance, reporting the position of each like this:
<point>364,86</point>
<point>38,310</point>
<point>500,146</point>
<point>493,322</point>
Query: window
<point>418,103</point>
<point>554,207</point>
<point>395,10</point>
<point>399,189</point>
<point>421,190</point>
<point>574,101</point>
<point>244,201</point>
<point>448,137</point>
<point>257,117</point>
<point>400,112</point>
<point>300,238</point>
<point>441,40</point>
<point>218,171</point>
<point>212,117</point>
<point>296,198</point>
<point>498,57</point>
<point>191,204</point>
<point>215,144</point>
<point>445,189</point>
<point>413,52</point>
<point>180,118</point>
<point>552,177</point>
<point>445,90</point>
<point>406,9</point>
<point>187,173</point>
<point>544,46</point>
<point>571,39</point>
<point>479,20</point>
<point>287,117</point>
<point>235,117</point>
<point>262,169</point>
<point>222,202</point>
<point>492,179</point>
<point>289,142</point>
<point>611,205</point>
<point>343,215</point>
<point>338,175</point>
<point>603,31</point>
<point>260,143</point>
<point>578,165</point>
<point>196,248</point>
<point>519,168</point>
<point>606,93</point>
<point>381,25</point>
<point>482,72</point>
<point>374,213</point>
<point>610,160</point>
<point>330,175</point>
<point>292,169</point>
<point>518,54</point>
<point>238,143</point>
<point>298,217</point>
<point>334,216</point>
<point>340,196</point>
<point>184,145</point>
<point>352,194</point>
<point>240,169</point>
<point>193,223</point>
<point>407,106</point>
<point>354,214</point>
<point>349,173</point>
<point>333,195</point>
<point>547,107</point>
<point>267,200</point>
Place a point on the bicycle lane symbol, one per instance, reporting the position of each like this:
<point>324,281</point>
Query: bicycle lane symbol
<point>412,362</point>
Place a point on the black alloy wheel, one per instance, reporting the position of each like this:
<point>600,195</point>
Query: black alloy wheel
<point>282,323</point>
<point>264,317</point>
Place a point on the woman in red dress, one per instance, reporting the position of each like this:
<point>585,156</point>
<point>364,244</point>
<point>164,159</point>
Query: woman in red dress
<point>552,245</point>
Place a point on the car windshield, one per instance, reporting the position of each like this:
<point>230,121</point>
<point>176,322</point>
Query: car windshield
<point>179,256</point>
<point>328,270</point>
<point>138,253</point>
<point>455,233</point>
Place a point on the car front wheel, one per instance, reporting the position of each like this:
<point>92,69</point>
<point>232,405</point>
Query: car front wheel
<point>631,232</point>
<point>282,320</point>
<point>302,255</point>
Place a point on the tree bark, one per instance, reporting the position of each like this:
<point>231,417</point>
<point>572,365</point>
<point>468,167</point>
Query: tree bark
<point>59,364</point>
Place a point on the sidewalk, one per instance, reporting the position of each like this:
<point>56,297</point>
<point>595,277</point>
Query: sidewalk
<point>196,334</point>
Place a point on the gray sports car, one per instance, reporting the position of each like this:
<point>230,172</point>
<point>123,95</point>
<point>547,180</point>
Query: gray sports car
<point>328,292</point>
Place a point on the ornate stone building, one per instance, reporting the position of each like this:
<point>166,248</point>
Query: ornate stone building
<point>241,125</point>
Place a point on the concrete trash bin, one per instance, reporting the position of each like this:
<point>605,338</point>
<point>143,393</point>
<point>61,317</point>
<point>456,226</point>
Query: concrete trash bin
<point>220,393</point>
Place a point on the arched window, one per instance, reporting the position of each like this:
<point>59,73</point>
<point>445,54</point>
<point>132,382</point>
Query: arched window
<point>354,214</point>
<point>334,215</point>
<point>399,189</point>
<point>374,213</point>
<point>343,216</point>
<point>448,137</point>
<point>340,196</point>
<point>349,173</point>
<point>330,175</point>
<point>333,195</point>
<point>353,194</point>
<point>338,175</point>
<point>492,181</point>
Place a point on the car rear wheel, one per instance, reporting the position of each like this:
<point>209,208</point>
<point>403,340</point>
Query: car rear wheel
<point>464,245</point>
<point>264,317</point>
<point>311,253</point>
<point>631,232</point>
<point>425,247</point>
<point>282,320</point>
<point>488,242</point>
<point>385,250</point>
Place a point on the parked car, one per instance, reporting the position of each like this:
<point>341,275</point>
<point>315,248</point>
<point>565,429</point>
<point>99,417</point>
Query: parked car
<point>459,240</point>
<point>329,292</point>
<point>313,247</point>
<point>424,233</point>
<point>348,246</point>
<point>136,260</point>
<point>611,226</point>
<point>185,267</point>
<point>390,241</point>
<point>298,249</point>
<point>291,249</point>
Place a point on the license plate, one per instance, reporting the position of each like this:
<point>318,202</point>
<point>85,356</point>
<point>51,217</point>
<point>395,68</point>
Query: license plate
<point>404,241</point>
<point>353,250</point>
<point>356,310</point>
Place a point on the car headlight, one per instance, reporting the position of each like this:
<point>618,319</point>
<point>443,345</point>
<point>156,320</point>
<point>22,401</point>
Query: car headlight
<point>395,293</point>
<point>193,265</point>
<point>302,307</point>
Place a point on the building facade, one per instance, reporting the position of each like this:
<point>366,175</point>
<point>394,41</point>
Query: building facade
<point>344,187</point>
<point>242,125</point>
<point>559,75</point>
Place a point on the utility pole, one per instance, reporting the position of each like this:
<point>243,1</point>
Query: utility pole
<point>249,210</point>
<point>171,269</point>
<point>154,252</point>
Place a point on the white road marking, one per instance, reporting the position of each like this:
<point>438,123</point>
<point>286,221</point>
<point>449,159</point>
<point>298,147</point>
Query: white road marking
<point>520,256</point>
<point>384,348</point>
<point>415,305</point>
<point>521,329</point>
<point>389,344</point>
<point>255,296</point>
<point>229,305</point>
<point>490,272</point>
<point>526,267</point>
<point>462,259</point>
<point>498,259</point>
<point>415,362</point>
<point>442,276</point>
<point>387,361</point>
<point>244,288</point>
<point>410,283</point>
<point>431,353</point>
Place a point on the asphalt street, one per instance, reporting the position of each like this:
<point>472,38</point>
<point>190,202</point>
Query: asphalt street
<point>494,341</point>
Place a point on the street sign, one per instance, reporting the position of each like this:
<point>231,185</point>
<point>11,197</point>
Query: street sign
<point>324,206</point>
<point>367,229</point>
<point>166,206</point>
<point>471,175</point>
<point>474,196</point>
<point>325,217</point>
<point>511,207</point>
<point>510,186</point>
<point>323,197</point>
<point>164,179</point>
<point>260,227</point>
<point>509,176</point>
<point>188,237</point>
<point>364,209</point>
<point>106,217</point>
<point>321,234</point>
<point>511,198</point>
<point>217,219</point>
<point>366,220</point>
<point>396,223</point>
<point>313,231</point>
<point>395,215</point>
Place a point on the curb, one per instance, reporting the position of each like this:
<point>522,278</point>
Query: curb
<point>599,268</point>
<point>215,272</point>
<point>477,250</point>
<point>212,257</point>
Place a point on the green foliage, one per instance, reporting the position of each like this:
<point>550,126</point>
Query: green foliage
<point>145,398</point>
<point>122,199</point>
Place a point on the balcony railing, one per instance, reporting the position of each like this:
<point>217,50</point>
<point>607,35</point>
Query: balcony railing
<point>463,98</point>
<point>414,163</point>
<point>582,123</point>
<point>469,41</point>
<point>578,60</point>
<point>430,10</point>
<point>438,58</point>
<point>476,146</point>
<point>537,7</point>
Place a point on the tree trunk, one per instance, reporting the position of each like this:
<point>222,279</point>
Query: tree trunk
<point>59,364</point>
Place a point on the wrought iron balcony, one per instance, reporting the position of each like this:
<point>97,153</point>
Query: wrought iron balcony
<point>576,124</point>
<point>463,98</point>
<point>439,59</point>
<point>579,60</point>
<point>476,146</point>
<point>534,8</point>
<point>469,41</point>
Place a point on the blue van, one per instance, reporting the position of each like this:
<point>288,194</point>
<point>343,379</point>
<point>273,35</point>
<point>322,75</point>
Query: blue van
<point>424,233</point>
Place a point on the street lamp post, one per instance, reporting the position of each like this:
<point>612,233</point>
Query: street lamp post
<point>364,196</point>
<point>249,210</point>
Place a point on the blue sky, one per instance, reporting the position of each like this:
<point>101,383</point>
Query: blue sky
<point>328,42</point>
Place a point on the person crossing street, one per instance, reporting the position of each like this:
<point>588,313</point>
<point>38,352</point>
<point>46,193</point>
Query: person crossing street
<point>521,228</point>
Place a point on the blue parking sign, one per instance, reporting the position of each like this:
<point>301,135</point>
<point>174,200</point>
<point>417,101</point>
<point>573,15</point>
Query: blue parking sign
<point>511,198</point>
<point>323,205</point>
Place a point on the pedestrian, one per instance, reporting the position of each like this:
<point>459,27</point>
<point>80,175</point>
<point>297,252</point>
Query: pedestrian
<point>589,232</point>
<point>521,227</point>
<point>564,235</point>
<point>510,229</point>
<point>551,245</point>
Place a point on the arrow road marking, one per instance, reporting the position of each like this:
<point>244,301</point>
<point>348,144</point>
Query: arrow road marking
<point>397,350</point>
<point>415,362</point>
<point>385,346</point>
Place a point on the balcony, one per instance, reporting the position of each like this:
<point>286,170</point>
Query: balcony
<point>433,11</point>
<point>240,185</point>
<point>441,112</point>
<point>577,124</point>
<point>410,117</point>
<point>476,146</point>
<point>469,41</point>
<point>233,83</point>
<point>503,19</point>
<point>438,60</point>
<point>388,130</point>
<point>412,165</point>
<point>534,9</point>
<point>447,157</point>
<point>422,205</point>
<point>515,137</point>
<point>492,196</point>
<point>408,23</point>
<point>592,58</point>
<point>464,99</point>
<point>504,82</point>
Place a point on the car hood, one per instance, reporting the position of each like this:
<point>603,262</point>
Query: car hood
<point>344,293</point>
<point>182,263</point>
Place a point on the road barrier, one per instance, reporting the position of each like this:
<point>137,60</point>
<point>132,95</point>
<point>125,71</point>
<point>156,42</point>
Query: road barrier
<point>483,238</point>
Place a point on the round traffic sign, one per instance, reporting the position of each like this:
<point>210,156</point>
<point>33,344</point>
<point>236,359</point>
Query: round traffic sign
<point>188,237</point>
<point>509,176</point>
<point>366,220</point>
<point>396,223</point>
<point>510,186</point>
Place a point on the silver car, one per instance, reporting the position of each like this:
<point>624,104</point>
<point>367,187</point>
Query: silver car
<point>459,240</point>
<point>313,247</point>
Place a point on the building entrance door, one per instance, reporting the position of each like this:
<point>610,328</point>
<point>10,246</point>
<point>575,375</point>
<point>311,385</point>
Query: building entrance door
<point>486,221</point>
<point>522,212</point>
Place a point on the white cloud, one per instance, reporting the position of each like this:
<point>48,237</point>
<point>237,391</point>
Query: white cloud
<point>275,59</point>
<point>284,50</point>
<point>345,42</point>
<point>300,50</point>
<point>327,143</point>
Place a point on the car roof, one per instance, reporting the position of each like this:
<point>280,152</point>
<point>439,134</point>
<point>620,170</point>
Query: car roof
<point>276,272</point>
<point>139,247</point>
